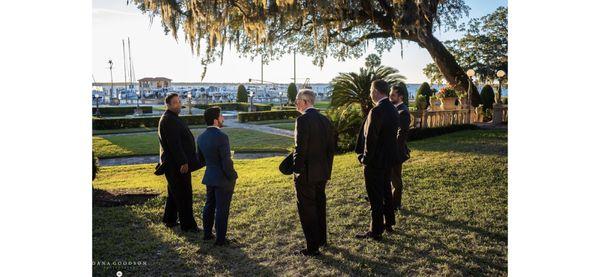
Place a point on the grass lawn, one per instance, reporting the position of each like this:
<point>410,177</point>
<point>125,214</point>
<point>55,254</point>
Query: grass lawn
<point>286,124</point>
<point>241,140</point>
<point>454,221</point>
<point>135,130</point>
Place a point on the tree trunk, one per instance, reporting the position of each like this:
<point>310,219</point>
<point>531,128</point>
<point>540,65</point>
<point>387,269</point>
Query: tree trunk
<point>448,66</point>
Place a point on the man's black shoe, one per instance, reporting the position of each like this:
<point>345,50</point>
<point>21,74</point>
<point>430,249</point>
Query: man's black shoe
<point>222,243</point>
<point>191,230</point>
<point>171,225</point>
<point>389,229</point>
<point>367,235</point>
<point>209,237</point>
<point>306,252</point>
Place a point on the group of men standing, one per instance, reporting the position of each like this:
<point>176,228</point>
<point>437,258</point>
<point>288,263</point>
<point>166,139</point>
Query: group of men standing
<point>381,148</point>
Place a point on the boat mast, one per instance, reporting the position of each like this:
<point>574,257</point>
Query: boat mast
<point>124,64</point>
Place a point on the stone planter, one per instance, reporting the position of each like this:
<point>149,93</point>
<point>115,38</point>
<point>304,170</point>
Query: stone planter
<point>435,104</point>
<point>449,103</point>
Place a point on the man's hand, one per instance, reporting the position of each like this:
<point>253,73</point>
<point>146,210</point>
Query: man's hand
<point>184,169</point>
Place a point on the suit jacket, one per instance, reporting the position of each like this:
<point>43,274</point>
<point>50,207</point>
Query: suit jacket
<point>378,146</point>
<point>177,146</point>
<point>314,147</point>
<point>403,126</point>
<point>214,152</point>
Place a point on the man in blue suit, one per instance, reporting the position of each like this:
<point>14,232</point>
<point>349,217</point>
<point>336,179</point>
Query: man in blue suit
<point>219,178</point>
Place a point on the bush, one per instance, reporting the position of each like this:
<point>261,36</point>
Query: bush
<point>95,167</point>
<point>235,106</point>
<point>242,94</point>
<point>404,91</point>
<point>346,121</point>
<point>487,97</point>
<point>137,122</point>
<point>292,91</point>
<point>121,111</point>
<point>267,115</point>
<point>423,133</point>
<point>425,91</point>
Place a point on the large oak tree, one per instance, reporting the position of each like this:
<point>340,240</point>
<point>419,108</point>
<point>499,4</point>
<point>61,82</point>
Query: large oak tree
<point>318,28</point>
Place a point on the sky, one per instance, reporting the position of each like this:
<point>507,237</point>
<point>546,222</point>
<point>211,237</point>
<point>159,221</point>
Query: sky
<point>156,54</point>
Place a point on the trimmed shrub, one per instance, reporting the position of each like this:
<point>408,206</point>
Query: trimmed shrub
<point>487,97</point>
<point>121,111</point>
<point>425,91</point>
<point>292,91</point>
<point>242,94</point>
<point>95,166</point>
<point>423,133</point>
<point>137,122</point>
<point>267,115</point>
<point>236,106</point>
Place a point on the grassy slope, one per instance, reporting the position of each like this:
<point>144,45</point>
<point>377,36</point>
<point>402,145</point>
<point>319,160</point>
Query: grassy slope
<point>242,140</point>
<point>455,220</point>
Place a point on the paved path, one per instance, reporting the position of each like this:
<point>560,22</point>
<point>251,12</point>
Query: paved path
<point>154,159</point>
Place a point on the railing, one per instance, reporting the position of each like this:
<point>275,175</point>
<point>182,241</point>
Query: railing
<point>442,118</point>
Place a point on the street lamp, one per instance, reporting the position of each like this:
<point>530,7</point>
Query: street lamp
<point>251,95</point>
<point>281,98</point>
<point>189,95</point>
<point>97,99</point>
<point>500,74</point>
<point>470,74</point>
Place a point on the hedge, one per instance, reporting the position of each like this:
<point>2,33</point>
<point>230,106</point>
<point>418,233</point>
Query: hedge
<point>235,106</point>
<point>423,133</point>
<point>120,111</point>
<point>137,122</point>
<point>268,115</point>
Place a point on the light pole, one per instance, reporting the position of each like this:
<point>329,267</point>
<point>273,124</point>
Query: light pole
<point>500,74</point>
<point>470,74</point>
<point>97,99</point>
<point>251,95</point>
<point>281,99</point>
<point>110,65</point>
<point>189,95</point>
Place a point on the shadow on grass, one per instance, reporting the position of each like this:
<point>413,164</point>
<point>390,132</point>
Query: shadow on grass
<point>134,234</point>
<point>483,142</point>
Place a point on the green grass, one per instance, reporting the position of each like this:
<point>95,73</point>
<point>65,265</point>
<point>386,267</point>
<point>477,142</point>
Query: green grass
<point>135,130</point>
<point>454,222</point>
<point>286,124</point>
<point>241,140</point>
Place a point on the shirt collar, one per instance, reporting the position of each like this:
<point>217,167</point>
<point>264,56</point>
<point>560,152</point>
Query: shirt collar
<point>213,126</point>
<point>398,105</point>
<point>378,102</point>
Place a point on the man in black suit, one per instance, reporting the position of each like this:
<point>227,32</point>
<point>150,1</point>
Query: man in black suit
<point>312,165</point>
<point>379,154</point>
<point>397,98</point>
<point>178,158</point>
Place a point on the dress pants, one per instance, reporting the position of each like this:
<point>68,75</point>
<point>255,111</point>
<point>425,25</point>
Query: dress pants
<point>179,199</point>
<point>377,182</point>
<point>216,210</point>
<point>312,210</point>
<point>396,176</point>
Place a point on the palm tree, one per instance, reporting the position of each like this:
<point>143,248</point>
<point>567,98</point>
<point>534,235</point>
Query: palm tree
<point>351,87</point>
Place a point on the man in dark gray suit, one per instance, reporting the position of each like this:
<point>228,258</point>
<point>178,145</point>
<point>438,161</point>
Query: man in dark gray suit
<point>177,161</point>
<point>378,155</point>
<point>312,164</point>
<point>219,178</point>
<point>397,98</point>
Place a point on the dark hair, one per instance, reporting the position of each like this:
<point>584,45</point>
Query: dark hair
<point>396,90</point>
<point>211,114</point>
<point>169,97</point>
<point>381,86</point>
